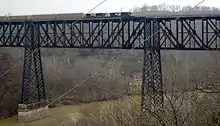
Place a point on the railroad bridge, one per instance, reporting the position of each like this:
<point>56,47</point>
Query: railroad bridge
<point>121,32</point>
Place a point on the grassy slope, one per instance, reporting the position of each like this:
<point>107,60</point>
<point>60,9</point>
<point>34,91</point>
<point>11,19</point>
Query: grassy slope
<point>54,113</point>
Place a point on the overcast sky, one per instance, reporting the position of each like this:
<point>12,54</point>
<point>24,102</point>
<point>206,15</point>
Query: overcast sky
<point>26,7</point>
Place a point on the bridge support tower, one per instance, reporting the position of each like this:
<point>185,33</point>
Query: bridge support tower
<point>152,100</point>
<point>33,102</point>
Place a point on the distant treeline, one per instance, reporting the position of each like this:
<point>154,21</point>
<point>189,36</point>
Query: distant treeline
<point>165,9</point>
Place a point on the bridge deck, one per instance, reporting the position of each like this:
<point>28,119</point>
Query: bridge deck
<point>194,32</point>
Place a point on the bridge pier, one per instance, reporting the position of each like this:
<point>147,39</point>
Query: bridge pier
<point>32,111</point>
<point>33,103</point>
<point>152,101</point>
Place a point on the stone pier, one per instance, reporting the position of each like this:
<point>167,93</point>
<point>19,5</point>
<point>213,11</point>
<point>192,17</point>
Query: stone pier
<point>33,111</point>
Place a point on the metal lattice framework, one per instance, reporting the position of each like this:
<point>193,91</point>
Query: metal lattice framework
<point>152,88</point>
<point>185,33</point>
<point>33,83</point>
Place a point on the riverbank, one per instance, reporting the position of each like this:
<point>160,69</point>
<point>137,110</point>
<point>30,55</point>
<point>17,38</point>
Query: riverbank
<point>56,114</point>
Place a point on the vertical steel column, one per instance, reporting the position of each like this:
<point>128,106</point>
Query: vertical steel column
<point>152,89</point>
<point>33,89</point>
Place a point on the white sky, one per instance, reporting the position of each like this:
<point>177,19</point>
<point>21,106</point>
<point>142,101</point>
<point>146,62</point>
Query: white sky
<point>26,7</point>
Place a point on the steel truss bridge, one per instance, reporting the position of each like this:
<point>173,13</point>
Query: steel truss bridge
<point>148,34</point>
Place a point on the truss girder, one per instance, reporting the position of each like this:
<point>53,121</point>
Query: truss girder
<point>201,33</point>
